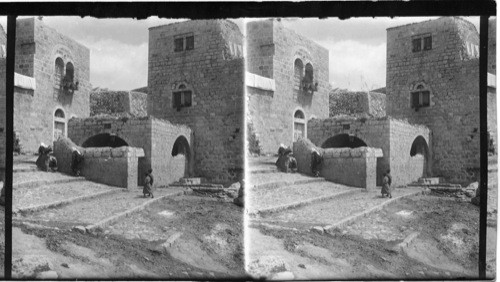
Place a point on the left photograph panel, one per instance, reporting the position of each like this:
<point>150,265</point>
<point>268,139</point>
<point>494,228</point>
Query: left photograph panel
<point>128,148</point>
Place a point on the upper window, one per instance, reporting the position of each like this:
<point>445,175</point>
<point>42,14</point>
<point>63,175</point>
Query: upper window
<point>184,42</point>
<point>182,97</point>
<point>417,44</point>
<point>420,98</point>
<point>428,43</point>
<point>58,72</point>
<point>298,73</point>
<point>421,42</point>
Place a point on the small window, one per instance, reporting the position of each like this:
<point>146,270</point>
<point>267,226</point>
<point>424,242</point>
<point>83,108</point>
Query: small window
<point>179,44</point>
<point>184,42</point>
<point>190,43</point>
<point>420,99</point>
<point>427,43</point>
<point>417,44</point>
<point>182,98</point>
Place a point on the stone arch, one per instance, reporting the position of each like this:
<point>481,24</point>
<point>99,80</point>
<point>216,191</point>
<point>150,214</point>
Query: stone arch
<point>419,157</point>
<point>181,158</point>
<point>104,140</point>
<point>59,124</point>
<point>343,141</point>
<point>299,124</point>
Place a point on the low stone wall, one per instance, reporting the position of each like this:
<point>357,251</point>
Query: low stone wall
<point>112,166</point>
<point>354,167</point>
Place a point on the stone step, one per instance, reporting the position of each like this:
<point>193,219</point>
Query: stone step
<point>29,179</point>
<point>191,181</point>
<point>334,210</point>
<point>24,168</point>
<point>94,211</point>
<point>278,184</point>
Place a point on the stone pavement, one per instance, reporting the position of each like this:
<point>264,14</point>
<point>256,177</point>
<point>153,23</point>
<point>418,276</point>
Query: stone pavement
<point>78,201</point>
<point>37,178</point>
<point>94,210</point>
<point>261,199</point>
<point>342,205</point>
<point>330,212</point>
<point>24,198</point>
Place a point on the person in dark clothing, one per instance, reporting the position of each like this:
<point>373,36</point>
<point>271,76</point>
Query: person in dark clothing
<point>76,161</point>
<point>386,184</point>
<point>148,184</point>
<point>316,161</point>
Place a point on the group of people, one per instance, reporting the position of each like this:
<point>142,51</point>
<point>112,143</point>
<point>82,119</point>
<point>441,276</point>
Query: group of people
<point>45,160</point>
<point>287,163</point>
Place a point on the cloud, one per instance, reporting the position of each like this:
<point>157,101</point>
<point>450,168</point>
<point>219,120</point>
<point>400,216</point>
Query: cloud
<point>117,65</point>
<point>355,65</point>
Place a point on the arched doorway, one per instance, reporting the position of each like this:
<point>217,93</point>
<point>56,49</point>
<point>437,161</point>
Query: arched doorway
<point>59,124</point>
<point>343,141</point>
<point>299,125</point>
<point>104,140</point>
<point>419,154</point>
<point>181,154</point>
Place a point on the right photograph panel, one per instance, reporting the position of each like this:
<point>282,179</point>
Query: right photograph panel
<point>363,148</point>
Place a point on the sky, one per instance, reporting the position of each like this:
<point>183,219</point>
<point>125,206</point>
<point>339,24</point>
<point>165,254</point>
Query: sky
<point>119,47</point>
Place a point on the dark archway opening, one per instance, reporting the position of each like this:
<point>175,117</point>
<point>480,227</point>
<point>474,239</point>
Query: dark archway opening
<point>419,162</point>
<point>419,147</point>
<point>104,140</point>
<point>181,146</point>
<point>343,141</point>
<point>181,156</point>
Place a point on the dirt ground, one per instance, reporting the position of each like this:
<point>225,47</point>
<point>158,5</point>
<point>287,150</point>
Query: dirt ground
<point>445,244</point>
<point>211,230</point>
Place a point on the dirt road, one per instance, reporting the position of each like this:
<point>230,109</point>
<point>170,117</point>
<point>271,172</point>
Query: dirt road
<point>205,230</point>
<point>420,237</point>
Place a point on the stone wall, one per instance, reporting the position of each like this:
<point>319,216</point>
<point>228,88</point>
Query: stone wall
<point>214,73</point>
<point>450,72</point>
<point>272,51</point>
<point>358,104</point>
<point>156,137</point>
<point>37,48</point>
<point>354,167</point>
<point>117,102</point>
<point>394,137</point>
<point>111,166</point>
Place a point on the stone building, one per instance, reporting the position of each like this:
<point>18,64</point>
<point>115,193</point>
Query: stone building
<point>196,78</point>
<point>433,79</point>
<point>287,83</point>
<point>51,83</point>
